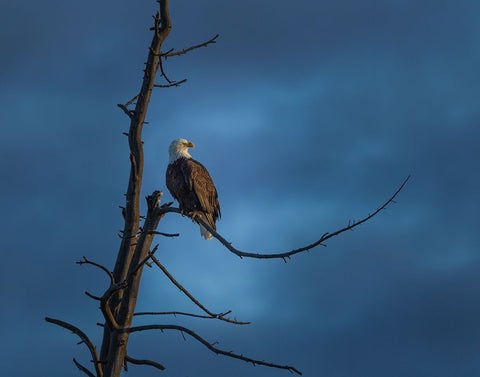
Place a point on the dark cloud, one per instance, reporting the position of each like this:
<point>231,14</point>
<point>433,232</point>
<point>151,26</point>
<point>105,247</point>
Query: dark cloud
<point>306,116</point>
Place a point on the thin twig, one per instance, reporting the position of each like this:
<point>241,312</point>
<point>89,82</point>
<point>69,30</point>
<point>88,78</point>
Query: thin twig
<point>144,261</point>
<point>160,64</point>
<point>175,83</point>
<point>83,369</point>
<point>185,314</point>
<point>184,51</point>
<point>92,296</point>
<point>126,111</point>
<point>195,301</point>
<point>131,101</point>
<point>107,271</point>
<point>165,234</point>
<point>84,337</point>
<point>144,362</point>
<point>209,345</point>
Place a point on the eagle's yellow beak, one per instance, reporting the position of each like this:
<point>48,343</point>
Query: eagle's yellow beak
<point>189,144</point>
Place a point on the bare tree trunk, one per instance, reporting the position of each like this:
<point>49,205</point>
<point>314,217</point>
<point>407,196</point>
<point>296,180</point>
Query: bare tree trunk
<point>134,247</point>
<point>123,319</point>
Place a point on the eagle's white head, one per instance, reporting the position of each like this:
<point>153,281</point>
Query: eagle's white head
<point>178,149</point>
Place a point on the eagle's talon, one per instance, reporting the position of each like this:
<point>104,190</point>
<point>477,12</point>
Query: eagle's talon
<point>194,214</point>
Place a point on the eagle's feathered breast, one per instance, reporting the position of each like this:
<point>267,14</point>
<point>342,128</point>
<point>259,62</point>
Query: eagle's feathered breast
<point>190,183</point>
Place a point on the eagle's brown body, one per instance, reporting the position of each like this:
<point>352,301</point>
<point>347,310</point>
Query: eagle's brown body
<point>191,185</point>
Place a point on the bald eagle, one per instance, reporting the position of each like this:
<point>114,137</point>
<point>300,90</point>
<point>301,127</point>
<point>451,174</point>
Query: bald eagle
<point>191,185</point>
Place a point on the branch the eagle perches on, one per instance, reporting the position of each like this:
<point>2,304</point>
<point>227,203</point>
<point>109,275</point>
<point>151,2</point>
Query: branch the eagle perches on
<point>118,301</point>
<point>288,254</point>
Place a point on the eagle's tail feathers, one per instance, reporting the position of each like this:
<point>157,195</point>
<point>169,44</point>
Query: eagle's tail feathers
<point>204,232</point>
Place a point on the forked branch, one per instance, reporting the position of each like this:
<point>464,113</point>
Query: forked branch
<point>210,345</point>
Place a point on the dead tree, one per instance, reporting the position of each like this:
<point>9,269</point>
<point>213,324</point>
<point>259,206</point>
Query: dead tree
<point>118,301</point>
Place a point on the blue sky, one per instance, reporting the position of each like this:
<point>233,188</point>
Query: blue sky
<point>306,115</point>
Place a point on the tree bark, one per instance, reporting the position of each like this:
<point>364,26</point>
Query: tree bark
<point>134,247</point>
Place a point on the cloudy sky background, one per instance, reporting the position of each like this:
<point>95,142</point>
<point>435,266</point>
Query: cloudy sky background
<point>307,114</point>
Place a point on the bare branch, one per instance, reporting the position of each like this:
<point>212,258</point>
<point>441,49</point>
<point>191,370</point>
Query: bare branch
<point>109,273</point>
<point>167,52</point>
<point>288,254</point>
<point>195,301</point>
<point>173,83</point>
<point>131,101</point>
<point>204,44</point>
<point>185,314</point>
<point>83,369</point>
<point>129,113</point>
<point>160,64</point>
<point>149,255</point>
<point>144,362</point>
<point>209,345</point>
<point>165,234</point>
<point>92,296</point>
<point>85,339</point>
